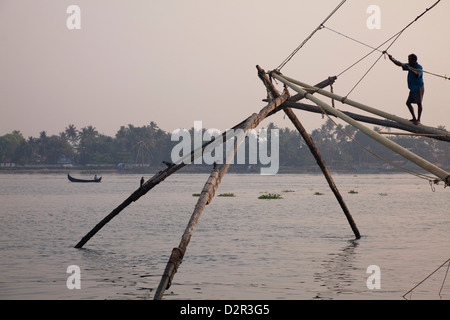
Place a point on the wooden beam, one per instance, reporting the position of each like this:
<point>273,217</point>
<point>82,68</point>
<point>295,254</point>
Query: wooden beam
<point>413,128</point>
<point>297,97</point>
<point>146,187</point>
<point>177,254</point>
<point>435,136</point>
<point>323,167</point>
<point>366,119</point>
<point>206,196</point>
<point>312,147</point>
<point>424,164</point>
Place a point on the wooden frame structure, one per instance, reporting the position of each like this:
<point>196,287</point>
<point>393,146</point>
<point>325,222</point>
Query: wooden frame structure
<point>276,102</point>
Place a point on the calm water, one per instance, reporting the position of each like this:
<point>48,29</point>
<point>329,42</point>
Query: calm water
<point>298,247</point>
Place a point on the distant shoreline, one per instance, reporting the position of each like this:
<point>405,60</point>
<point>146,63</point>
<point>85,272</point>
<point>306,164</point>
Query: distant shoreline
<point>192,169</point>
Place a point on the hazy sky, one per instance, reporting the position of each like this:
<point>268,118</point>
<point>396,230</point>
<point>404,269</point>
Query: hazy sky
<point>179,61</point>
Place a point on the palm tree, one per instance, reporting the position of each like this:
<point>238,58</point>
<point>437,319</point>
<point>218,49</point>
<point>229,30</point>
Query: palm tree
<point>71,133</point>
<point>42,143</point>
<point>86,136</point>
<point>88,133</point>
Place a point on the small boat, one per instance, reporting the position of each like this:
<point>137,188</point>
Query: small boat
<point>72,179</point>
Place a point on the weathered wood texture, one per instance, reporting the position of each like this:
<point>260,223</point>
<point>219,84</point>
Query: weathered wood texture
<point>424,164</point>
<point>146,187</point>
<point>371,120</point>
<point>406,123</point>
<point>206,196</point>
<point>312,147</point>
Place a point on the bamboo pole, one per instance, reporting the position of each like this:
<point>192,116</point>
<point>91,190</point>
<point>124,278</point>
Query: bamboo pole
<point>206,196</point>
<point>414,128</point>
<point>428,135</point>
<point>424,164</point>
<point>162,175</point>
<point>366,119</point>
<point>147,186</point>
<point>178,253</point>
<point>293,100</point>
<point>312,147</point>
<point>150,184</point>
<point>324,169</point>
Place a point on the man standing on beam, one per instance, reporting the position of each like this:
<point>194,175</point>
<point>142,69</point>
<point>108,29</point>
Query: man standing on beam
<point>415,85</point>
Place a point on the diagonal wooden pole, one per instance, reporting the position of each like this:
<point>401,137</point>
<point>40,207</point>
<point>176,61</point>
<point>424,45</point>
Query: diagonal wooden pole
<point>147,186</point>
<point>178,253</point>
<point>206,196</point>
<point>324,169</point>
<point>291,115</point>
<point>424,164</point>
<point>413,128</point>
<point>366,119</point>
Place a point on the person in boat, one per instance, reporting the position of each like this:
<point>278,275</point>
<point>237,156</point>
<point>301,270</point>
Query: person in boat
<point>415,85</point>
<point>142,181</point>
<point>95,177</point>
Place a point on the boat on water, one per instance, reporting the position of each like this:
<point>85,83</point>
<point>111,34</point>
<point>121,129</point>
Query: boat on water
<point>72,179</point>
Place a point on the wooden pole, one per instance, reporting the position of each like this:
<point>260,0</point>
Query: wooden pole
<point>413,128</point>
<point>310,143</point>
<point>410,134</point>
<point>424,164</point>
<point>293,100</point>
<point>324,169</point>
<point>162,175</point>
<point>146,187</point>
<point>366,119</point>
<point>155,180</point>
<point>178,253</point>
<point>206,196</point>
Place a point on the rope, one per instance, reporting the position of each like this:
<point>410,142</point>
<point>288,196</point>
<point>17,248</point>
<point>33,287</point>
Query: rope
<point>376,49</point>
<point>431,73</point>
<point>350,38</point>
<point>309,37</point>
<point>332,91</point>
<point>417,18</point>
<point>442,286</point>
<point>419,175</point>
<point>396,36</point>
<point>365,74</point>
<point>448,261</point>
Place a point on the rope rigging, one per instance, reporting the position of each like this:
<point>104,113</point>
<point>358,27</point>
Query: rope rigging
<point>396,36</point>
<point>432,180</point>
<point>393,39</point>
<point>390,43</point>
<point>309,37</point>
<point>421,282</point>
<point>377,49</point>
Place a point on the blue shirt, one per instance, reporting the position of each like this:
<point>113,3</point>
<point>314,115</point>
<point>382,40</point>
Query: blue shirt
<point>414,82</point>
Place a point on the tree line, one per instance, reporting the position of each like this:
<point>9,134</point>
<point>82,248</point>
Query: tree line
<point>342,147</point>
